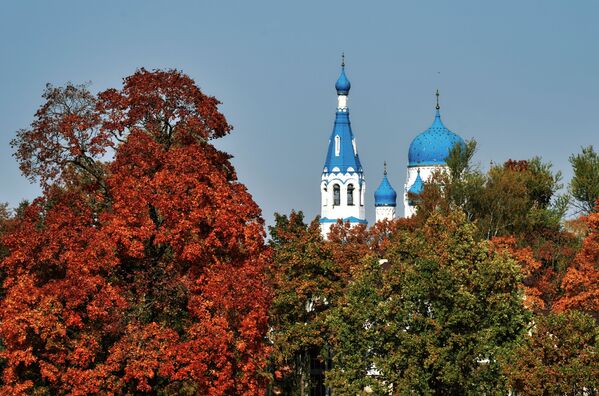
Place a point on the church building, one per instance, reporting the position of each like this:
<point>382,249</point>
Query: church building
<point>343,186</point>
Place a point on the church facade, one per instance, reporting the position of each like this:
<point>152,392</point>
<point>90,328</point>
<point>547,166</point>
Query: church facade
<point>343,186</point>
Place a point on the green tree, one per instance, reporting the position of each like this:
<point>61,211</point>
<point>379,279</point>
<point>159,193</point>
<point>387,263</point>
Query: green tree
<point>435,320</point>
<point>514,198</point>
<point>355,333</point>
<point>584,186</point>
<point>306,281</point>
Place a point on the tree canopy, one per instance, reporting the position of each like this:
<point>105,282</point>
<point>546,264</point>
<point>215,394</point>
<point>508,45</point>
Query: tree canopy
<point>435,319</point>
<point>141,273</point>
<point>584,186</point>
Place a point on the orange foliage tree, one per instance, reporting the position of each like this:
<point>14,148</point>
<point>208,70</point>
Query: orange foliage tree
<point>559,355</point>
<point>142,274</point>
<point>581,283</point>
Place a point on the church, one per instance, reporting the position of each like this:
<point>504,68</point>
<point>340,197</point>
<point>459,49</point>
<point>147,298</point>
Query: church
<point>343,186</point>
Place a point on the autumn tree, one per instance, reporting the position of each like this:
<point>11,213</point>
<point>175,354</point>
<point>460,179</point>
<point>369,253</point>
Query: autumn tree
<point>144,273</point>
<point>559,356</point>
<point>433,320</point>
<point>584,186</point>
<point>580,284</point>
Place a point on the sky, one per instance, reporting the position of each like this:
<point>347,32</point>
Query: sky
<point>519,77</point>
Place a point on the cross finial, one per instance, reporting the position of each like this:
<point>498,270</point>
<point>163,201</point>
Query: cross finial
<point>343,59</point>
<point>437,94</point>
<point>385,168</point>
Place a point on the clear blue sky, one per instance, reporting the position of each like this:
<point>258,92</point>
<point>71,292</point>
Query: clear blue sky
<point>521,77</point>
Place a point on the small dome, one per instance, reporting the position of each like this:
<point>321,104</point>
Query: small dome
<point>385,195</point>
<point>432,146</point>
<point>342,85</point>
<point>416,187</point>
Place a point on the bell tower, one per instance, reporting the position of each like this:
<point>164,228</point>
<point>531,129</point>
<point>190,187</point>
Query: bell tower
<point>342,185</point>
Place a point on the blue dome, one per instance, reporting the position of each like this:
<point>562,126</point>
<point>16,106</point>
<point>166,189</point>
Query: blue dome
<point>342,85</point>
<point>432,146</point>
<point>418,185</point>
<point>385,195</point>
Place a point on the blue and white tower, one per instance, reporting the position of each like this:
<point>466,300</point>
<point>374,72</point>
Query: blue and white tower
<point>427,154</point>
<point>342,183</point>
<point>385,199</point>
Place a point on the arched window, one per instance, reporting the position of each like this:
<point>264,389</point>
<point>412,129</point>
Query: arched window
<point>362,189</point>
<point>337,145</point>
<point>336,195</point>
<point>350,194</point>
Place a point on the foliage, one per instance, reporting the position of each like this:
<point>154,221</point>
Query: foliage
<point>310,277</point>
<point>516,198</point>
<point>515,205</point>
<point>559,356</point>
<point>355,333</point>
<point>306,281</point>
<point>581,282</point>
<point>435,321</point>
<point>459,160</point>
<point>66,135</point>
<point>143,274</point>
<point>584,186</point>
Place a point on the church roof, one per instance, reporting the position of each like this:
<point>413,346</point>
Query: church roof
<point>342,154</point>
<point>432,146</point>
<point>385,195</point>
<point>351,219</point>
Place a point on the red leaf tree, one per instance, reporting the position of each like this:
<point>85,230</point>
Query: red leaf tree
<point>145,273</point>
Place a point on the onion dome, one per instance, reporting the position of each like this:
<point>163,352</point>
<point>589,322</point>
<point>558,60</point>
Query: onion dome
<point>342,85</point>
<point>385,195</point>
<point>416,187</point>
<point>432,146</point>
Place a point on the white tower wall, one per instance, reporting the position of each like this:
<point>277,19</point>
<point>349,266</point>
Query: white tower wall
<point>385,213</point>
<point>345,208</point>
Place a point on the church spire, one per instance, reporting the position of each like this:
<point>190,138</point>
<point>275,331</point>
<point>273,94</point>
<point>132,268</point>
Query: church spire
<point>342,181</point>
<point>342,153</point>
